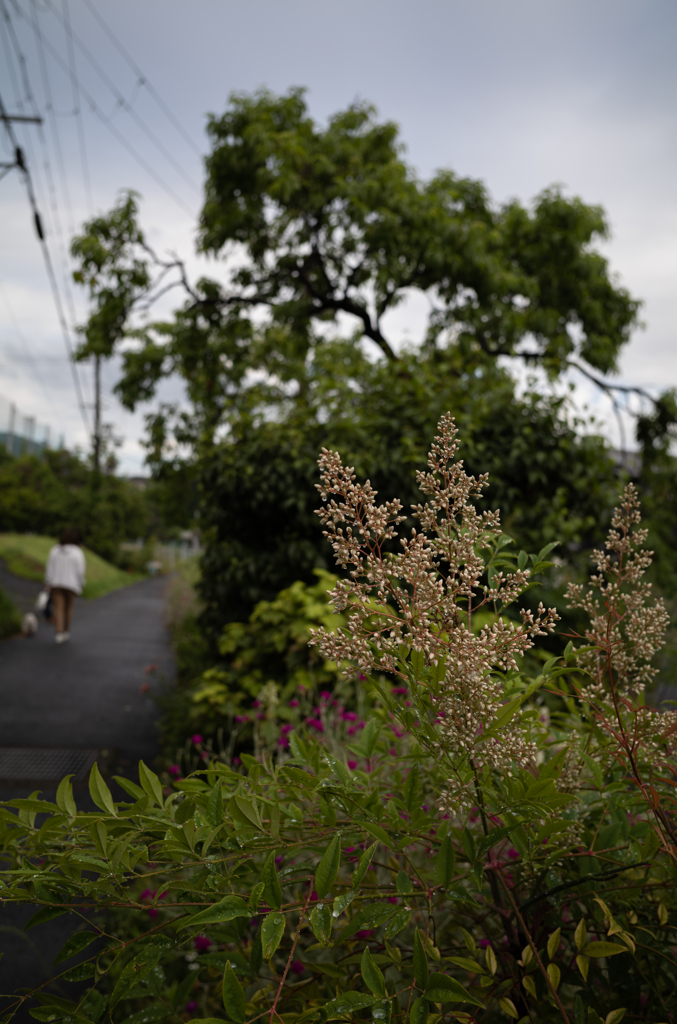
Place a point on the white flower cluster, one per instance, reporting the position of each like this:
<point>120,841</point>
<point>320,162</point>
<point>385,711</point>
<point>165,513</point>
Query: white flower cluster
<point>626,627</point>
<point>423,598</point>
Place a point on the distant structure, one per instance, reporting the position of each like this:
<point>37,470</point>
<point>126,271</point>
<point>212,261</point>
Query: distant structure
<point>23,435</point>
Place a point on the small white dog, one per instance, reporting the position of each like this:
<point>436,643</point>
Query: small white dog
<point>29,624</point>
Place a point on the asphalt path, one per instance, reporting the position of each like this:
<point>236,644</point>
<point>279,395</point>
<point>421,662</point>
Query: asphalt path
<point>89,692</point>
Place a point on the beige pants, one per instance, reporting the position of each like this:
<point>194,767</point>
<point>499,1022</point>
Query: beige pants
<point>63,608</point>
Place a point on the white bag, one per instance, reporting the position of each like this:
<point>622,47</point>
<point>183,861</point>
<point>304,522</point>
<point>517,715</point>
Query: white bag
<point>41,603</point>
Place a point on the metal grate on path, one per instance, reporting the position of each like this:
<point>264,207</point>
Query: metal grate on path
<point>20,765</point>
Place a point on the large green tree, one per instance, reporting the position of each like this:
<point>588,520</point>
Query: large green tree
<point>323,231</point>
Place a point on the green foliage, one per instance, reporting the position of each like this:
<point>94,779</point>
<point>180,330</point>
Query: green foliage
<point>347,877</point>
<point>258,522</point>
<point>45,495</point>
<point>264,663</point>
<point>10,620</point>
<point>329,215</point>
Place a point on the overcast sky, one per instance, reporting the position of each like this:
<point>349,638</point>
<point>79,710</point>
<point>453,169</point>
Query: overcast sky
<point>520,93</point>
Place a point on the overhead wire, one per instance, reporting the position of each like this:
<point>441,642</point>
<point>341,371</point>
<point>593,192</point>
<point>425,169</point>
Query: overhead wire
<point>77,108</point>
<point>49,107</point>
<point>16,327</point>
<point>142,78</point>
<point>111,127</point>
<point>61,241</point>
<point>127,107</point>
<point>48,261</point>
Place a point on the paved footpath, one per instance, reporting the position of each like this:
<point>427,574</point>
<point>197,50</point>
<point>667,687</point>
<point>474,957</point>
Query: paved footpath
<point>85,693</point>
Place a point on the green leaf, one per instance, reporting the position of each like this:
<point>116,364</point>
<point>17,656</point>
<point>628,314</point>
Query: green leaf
<point>469,845</point>
<point>595,770</point>
<point>99,791</point>
<point>420,962</point>
<point>553,943</point>
<point>234,1000</point>
<point>273,890</point>
<point>226,909</point>
<point>255,896</point>
<point>130,788</point>
<point>599,949</point>
<point>419,1011</point>
<point>377,832</point>
<point>321,922</point>
<point>150,784</point>
<point>64,797</point>
<point>466,963</point>
<point>341,902</point>
<point>445,862</point>
<point>80,972</point>
<point>443,989</point>
<point>291,776</point>
<point>249,809</point>
<point>45,914</point>
<point>215,806</point>
<point>327,869</point>
<point>272,931</point>
<point>256,955</point>
<point>495,836</point>
<point>400,919</point>
<point>363,865</point>
<point>347,1004</point>
<point>616,1016</point>
<point>75,944</point>
<point>370,916</point>
<point>372,975</point>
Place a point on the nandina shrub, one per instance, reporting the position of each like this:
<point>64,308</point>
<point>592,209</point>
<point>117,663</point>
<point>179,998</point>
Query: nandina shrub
<point>465,856</point>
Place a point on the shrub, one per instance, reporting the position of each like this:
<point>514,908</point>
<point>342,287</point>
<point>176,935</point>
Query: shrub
<point>464,856</point>
<point>10,620</point>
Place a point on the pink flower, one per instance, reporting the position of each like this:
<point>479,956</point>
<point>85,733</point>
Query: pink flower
<point>191,1006</point>
<point>366,933</point>
<point>174,770</point>
<point>293,703</point>
<point>512,853</point>
<point>397,690</point>
<point>201,942</point>
<point>197,739</point>
<point>152,912</point>
<point>297,967</point>
<point>483,943</point>
<point>315,723</point>
<point>236,760</point>
<point>325,696</point>
<point>391,899</point>
<point>256,703</point>
<point>393,751</point>
<point>146,894</point>
<point>352,765</point>
<point>349,716</point>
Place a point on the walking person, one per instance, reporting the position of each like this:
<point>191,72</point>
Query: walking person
<point>65,577</point>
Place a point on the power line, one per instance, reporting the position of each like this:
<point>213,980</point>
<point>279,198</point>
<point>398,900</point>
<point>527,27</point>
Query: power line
<point>26,348</point>
<point>77,108</point>
<point>118,135</point>
<point>127,106</point>
<point>21,163</point>
<point>49,106</point>
<point>142,78</point>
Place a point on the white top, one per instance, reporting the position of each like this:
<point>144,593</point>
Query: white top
<point>66,567</point>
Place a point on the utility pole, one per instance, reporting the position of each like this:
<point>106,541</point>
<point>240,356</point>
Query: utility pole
<point>97,422</point>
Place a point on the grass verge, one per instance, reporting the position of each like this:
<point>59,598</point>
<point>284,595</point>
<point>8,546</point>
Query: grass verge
<point>10,620</point>
<point>25,554</point>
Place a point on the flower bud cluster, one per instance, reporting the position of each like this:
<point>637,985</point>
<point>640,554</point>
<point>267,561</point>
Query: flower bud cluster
<point>422,599</point>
